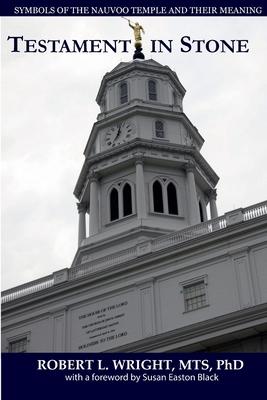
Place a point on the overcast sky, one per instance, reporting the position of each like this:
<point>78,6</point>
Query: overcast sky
<point>48,105</point>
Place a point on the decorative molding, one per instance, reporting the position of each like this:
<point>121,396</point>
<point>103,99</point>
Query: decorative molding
<point>93,176</point>
<point>212,194</point>
<point>190,166</point>
<point>239,252</point>
<point>82,207</point>
<point>193,281</point>
<point>139,157</point>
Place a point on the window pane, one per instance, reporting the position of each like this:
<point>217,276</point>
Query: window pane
<point>172,199</point>
<point>195,296</point>
<point>18,346</point>
<point>159,128</point>
<point>127,200</point>
<point>152,90</point>
<point>157,197</point>
<point>114,205</point>
<point>123,93</point>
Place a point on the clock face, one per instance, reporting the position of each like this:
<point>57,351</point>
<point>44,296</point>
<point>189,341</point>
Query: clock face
<point>119,133</point>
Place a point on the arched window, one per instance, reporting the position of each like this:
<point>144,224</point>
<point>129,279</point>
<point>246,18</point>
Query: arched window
<point>152,90</point>
<point>159,129</point>
<point>114,205</point>
<point>157,197</point>
<point>127,200</point>
<point>172,199</point>
<point>201,214</point>
<point>123,93</point>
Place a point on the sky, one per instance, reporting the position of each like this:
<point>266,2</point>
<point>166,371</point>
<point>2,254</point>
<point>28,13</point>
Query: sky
<point>48,109</point>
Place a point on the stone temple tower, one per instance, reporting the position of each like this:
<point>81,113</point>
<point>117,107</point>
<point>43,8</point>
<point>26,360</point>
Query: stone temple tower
<point>151,273</point>
<point>143,174</point>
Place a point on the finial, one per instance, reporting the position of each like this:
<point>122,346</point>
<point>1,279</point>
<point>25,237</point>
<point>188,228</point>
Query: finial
<point>137,28</point>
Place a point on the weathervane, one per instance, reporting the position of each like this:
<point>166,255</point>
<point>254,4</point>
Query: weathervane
<point>138,29</point>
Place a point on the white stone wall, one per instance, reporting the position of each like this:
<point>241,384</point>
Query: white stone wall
<point>38,332</point>
<point>148,302</point>
<point>221,293</point>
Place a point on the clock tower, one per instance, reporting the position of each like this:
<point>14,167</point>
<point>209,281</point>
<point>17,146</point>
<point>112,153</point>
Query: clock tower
<point>150,274</point>
<point>143,174</point>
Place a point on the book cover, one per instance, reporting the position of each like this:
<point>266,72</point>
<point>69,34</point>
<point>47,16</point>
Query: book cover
<point>159,131</point>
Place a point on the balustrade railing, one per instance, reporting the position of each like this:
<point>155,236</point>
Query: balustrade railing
<point>189,233</point>
<point>255,211</point>
<point>27,288</point>
<point>102,263</point>
<point>108,261</point>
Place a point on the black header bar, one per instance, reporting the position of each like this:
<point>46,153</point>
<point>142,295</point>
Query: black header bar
<point>127,8</point>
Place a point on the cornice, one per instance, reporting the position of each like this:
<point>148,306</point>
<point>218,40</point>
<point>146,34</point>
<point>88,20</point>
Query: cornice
<point>200,332</point>
<point>82,207</point>
<point>212,193</point>
<point>143,145</point>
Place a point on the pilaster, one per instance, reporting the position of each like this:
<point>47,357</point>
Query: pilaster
<point>82,208</point>
<point>140,186</point>
<point>213,205</point>
<point>94,204</point>
<point>193,208</point>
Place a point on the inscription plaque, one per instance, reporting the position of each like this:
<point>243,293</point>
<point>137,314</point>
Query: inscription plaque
<point>105,324</point>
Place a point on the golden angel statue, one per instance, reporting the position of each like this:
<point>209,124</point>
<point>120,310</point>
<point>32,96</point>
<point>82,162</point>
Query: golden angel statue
<point>138,29</point>
<point>137,33</point>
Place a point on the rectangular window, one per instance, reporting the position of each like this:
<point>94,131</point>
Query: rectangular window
<point>152,90</point>
<point>123,93</point>
<point>18,346</point>
<point>195,296</point>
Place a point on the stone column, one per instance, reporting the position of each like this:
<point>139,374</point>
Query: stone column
<point>140,186</point>
<point>94,207</point>
<point>82,227</point>
<point>193,207</point>
<point>213,206</point>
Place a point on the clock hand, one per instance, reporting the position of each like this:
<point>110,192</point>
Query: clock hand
<point>118,133</point>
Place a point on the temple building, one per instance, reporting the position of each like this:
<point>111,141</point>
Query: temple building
<point>156,268</point>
